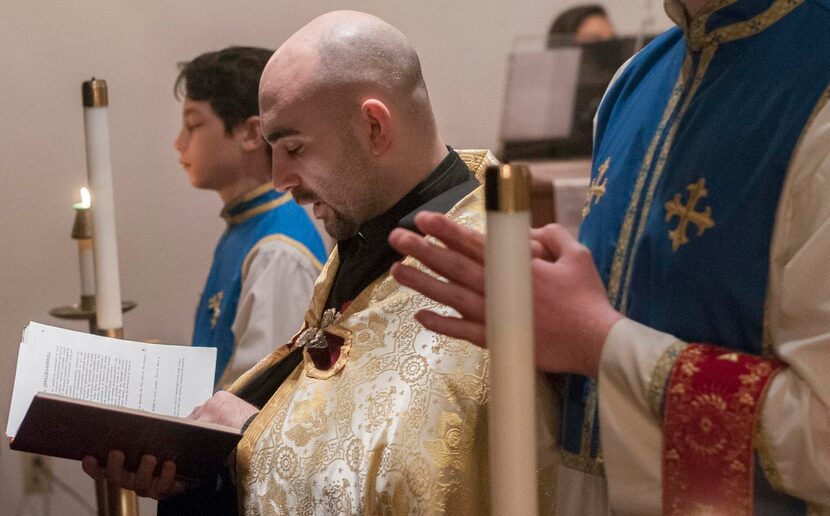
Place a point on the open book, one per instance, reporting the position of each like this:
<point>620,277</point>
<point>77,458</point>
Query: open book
<point>78,394</point>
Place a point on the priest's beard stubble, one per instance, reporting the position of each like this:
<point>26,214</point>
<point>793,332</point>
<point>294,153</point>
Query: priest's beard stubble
<point>350,192</point>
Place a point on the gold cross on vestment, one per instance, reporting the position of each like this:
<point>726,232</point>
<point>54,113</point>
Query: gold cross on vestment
<point>701,219</point>
<point>215,306</point>
<point>597,188</point>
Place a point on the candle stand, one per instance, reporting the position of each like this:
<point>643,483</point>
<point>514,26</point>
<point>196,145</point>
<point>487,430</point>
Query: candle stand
<point>100,302</point>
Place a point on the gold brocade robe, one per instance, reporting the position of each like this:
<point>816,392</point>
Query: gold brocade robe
<point>396,426</point>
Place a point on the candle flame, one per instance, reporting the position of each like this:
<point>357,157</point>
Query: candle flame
<point>86,200</point>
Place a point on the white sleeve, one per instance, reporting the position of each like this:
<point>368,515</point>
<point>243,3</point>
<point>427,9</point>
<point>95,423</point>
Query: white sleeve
<point>277,282</point>
<point>796,414</point>
<point>794,441</point>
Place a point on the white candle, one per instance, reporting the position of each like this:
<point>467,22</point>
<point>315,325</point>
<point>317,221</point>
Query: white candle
<point>85,256</point>
<point>509,307</point>
<point>87,267</point>
<point>99,169</point>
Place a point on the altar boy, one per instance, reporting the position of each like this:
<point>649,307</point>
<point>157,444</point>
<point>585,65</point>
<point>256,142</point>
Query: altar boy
<point>267,259</point>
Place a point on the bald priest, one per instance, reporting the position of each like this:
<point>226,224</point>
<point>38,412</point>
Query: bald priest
<point>365,411</point>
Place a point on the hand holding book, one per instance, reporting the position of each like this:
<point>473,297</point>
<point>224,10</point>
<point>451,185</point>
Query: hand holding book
<point>143,481</point>
<point>151,481</point>
<point>82,396</point>
<point>224,409</point>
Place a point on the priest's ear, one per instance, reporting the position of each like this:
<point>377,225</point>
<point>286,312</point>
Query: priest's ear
<point>249,134</point>
<point>376,126</point>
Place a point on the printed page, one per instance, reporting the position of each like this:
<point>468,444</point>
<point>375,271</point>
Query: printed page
<point>169,380</point>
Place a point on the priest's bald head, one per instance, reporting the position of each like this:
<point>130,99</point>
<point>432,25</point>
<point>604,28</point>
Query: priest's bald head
<point>345,108</point>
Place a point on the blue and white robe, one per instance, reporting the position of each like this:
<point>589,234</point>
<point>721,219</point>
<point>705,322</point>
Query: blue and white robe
<point>709,221</point>
<point>260,282</point>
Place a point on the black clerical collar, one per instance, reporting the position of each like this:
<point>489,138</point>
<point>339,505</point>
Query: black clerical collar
<point>450,172</point>
<point>367,255</point>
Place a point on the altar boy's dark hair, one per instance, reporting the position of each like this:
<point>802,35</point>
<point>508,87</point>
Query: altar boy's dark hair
<point>228,79</point>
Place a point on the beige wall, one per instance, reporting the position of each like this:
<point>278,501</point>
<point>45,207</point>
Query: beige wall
<point>166,230</point>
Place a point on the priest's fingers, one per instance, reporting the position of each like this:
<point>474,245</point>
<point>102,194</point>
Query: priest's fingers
<point>166,482</point>
<point>466,241</point>
<point>555,241</point>
<point>91,467</point>
<point>445,262</point>
<point>197,411</point>
<point>116,473</point>
<point>453,327</point>
<point>468,303</point>
<point>142,481</point>
<point>144,475</point>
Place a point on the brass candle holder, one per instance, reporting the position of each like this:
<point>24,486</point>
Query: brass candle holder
<point>85,309</point>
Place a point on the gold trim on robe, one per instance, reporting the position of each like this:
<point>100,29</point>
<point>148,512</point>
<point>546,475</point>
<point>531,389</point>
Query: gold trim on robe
<point>657,385</point>
<point>253,212</point>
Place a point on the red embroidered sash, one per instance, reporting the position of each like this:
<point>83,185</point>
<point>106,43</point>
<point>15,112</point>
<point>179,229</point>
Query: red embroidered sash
<point>713,399</point>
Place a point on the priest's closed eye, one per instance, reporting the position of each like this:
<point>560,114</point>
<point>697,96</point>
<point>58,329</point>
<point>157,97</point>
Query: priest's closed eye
<point>294,151</point>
